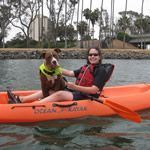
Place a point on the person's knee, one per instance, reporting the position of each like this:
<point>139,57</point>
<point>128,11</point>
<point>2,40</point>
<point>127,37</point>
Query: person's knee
<point>63,95</point>
<point>59,94</point>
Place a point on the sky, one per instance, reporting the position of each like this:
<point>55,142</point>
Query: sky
<point>134,5</point>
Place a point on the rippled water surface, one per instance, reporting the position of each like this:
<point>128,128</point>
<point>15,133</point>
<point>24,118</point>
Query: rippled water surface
<point>91,133</point>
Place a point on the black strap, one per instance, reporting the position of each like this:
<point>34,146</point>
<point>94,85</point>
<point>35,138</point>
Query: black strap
<point>49,72</point>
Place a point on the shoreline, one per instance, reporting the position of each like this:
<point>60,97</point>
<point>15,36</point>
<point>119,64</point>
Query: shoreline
<point>74,53</point>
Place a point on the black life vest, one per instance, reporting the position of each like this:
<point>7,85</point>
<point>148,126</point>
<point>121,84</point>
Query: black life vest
<point>85,77</point>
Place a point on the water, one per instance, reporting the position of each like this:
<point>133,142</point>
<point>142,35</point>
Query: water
<point>85,133</point>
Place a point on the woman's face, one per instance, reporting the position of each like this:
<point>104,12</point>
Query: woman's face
<point>93,56</point>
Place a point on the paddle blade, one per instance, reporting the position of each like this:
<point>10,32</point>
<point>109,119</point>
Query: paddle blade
<point>123,111</point>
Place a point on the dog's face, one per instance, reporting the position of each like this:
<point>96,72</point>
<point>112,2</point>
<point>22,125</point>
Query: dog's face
<point>51,58</point>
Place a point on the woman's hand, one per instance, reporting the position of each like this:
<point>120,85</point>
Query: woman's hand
<point>90,90</point>
<point>71,85</point>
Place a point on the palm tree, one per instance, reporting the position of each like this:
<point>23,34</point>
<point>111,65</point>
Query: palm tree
<point>65,23</point>
<point>81,44</point>
<point>42,24</point>
<point>82,28</point>
<point>78,15</point>
<point>112,22</point>
<point>39,25</point>
<point>112,27</point>
<point>90,15</point>
<point>73,2</point>
<point>94,17</point>
<point>124,37</point>
<point>86,14</point>
<point>100,23</point>
<point>82,9</point>
<point>141,18</point>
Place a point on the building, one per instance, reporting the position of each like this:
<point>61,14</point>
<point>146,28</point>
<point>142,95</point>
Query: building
<point>141,41</point>
<point>37,32</point>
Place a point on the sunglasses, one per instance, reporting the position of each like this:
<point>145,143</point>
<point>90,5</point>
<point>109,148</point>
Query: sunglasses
<point>93,54</point>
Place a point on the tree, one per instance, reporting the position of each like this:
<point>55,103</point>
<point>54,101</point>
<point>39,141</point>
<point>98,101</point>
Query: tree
<point>100,23</point>
<point>124,38</point>
<point>146,24</point>
<point>111,26</point>
<point>82,29</point>
<point>123,23</point>
<point>133,16</point>
<point>73,4</point>
<point>24,13</point>
<point>105,24</point>
<point>120,36</point>
<point>87,13</point>
<point>70,32</point>
<point>94,16</point>
<point>91,16</point>
<point>19,41</point>
<point>5,16</point>
<point>56,16</point>
<point>141,31</point>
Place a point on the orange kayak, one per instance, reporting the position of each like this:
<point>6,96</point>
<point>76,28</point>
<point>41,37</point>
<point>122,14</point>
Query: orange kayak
<point>135,97</point>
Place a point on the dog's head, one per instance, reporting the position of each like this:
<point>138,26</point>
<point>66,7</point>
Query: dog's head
<point>51,58</point>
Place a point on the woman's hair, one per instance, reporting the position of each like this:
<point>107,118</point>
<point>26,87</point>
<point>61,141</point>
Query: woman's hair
<point>99,53</point>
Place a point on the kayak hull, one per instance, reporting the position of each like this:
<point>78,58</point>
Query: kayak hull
<point>135,97</point>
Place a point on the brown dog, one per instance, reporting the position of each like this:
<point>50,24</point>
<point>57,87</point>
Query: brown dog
<point>51,73</point>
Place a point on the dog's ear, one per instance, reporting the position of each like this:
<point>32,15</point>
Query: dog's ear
<point>43,54</point>
<point>57,50</point>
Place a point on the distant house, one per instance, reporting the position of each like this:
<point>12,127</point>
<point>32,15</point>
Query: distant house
<point>37,30</point>
<point>141,41</point>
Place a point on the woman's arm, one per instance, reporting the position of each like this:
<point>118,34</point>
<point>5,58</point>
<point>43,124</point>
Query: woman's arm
<point>89,90</point>
<point>68,73</point>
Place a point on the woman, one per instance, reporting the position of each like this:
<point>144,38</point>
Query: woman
<point>90,81</point>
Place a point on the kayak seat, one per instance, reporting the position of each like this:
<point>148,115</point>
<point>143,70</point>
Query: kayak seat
<point>109,68</point>
<point>12,98</point>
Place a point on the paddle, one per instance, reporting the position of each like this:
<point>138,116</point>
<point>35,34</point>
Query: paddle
<point>122,111</point>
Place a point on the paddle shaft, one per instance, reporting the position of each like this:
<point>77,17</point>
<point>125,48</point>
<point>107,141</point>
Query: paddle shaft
<point>95,99</point>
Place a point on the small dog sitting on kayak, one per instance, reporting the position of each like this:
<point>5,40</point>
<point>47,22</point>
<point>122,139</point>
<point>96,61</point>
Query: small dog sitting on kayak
<point>50,75</point>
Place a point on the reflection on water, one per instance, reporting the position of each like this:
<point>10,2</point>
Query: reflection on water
<point>85,133</point>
